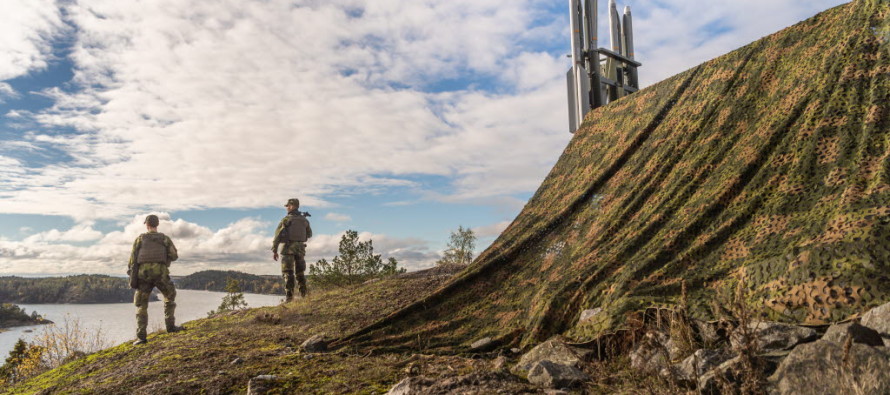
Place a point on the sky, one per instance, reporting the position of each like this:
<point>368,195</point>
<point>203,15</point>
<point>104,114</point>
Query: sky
<point>400,119</point>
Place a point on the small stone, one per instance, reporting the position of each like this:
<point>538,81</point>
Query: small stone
<point>552,375</point>
<point>500,363</point>
<point>838,333</point>
<point>515,350</point>
<point>483,344</point>
<point>308,356</point>
<point>236,361</point>
<point>315,343</point>
<point>554,350</point>
<point>590,313</point>
<point>409,386</point>
<point>412,369</point>
<point>261,384</point>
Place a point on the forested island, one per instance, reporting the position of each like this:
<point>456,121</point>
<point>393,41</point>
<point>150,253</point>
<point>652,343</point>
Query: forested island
<point>12,315</point>
<point>215,280</point>
<point>84,288</point>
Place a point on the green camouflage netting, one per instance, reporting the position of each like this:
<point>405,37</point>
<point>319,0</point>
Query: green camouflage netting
<point>769,165</point>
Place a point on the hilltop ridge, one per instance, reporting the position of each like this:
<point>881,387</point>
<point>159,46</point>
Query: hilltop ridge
<point>766,170</point>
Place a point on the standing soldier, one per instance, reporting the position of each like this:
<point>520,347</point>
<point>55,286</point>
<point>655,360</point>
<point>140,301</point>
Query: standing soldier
<point>149,268</point>
<point>292,231</point>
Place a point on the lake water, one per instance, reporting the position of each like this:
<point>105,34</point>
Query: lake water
<point>117,321</point>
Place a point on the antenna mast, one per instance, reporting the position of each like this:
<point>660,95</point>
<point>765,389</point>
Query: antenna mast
<point>598,75</point>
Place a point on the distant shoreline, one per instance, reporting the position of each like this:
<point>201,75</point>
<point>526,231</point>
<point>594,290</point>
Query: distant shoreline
<point>4,326</point>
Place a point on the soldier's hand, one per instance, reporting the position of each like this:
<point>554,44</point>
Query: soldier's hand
<point>275,256</point>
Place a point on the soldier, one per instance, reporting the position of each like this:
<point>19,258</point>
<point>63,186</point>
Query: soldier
<point>292,231</point>
<point>149,268</point>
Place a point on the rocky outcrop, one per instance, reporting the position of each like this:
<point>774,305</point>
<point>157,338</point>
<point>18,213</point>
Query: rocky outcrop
<point>474,383</point>
<point>878,319</point>
<point>652,355</point>
<point>825,367</point>
<point>839,333</point>
<point>701,362</point>
<point>773,336</point>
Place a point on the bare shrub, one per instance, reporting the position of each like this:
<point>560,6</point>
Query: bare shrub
<point>735,308</point>
<point>681,330</point>
<point>68,340</point>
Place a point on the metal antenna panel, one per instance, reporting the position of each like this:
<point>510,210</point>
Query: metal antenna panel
<point>599,75</point>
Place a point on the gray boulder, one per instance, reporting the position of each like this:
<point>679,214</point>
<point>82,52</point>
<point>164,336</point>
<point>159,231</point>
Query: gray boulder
<point>553,350</point>
<point>724,378</point>
<point>707,332</point>
<point>315,343</point>
<point>652,355</point>
<point>484,344</point>
<point>552,375</point>
<point>838,333</point>
<point>823,367</point>
<point>878,319</point>
<point>701,362</point>
<point>774,336</point>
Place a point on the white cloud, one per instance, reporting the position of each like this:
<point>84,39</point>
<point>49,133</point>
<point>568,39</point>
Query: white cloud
<point>337,217</point>
<point>177,98</point>
<point>673,36</point>
<point>6,91</point>
<point>79,233</point>
<point>491,230</point>
<point>26,27</point>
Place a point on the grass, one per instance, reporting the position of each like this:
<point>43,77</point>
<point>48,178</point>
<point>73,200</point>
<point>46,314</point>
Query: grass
<point>200,360</point>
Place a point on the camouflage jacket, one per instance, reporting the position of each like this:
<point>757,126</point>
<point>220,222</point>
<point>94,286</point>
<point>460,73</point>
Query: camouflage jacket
<point>172,255</point>
<point>289,248</point>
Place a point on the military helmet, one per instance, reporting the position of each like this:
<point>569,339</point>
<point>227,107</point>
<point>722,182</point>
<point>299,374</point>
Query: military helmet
<point>293,201</point>
<point>152,220</point>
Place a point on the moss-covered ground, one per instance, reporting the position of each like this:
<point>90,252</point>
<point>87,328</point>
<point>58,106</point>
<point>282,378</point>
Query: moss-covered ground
<point>266,341</point>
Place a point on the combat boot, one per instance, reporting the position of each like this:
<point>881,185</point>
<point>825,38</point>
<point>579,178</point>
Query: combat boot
<point>303,291</point>
<point>139,341</point>
<point>174,329</point>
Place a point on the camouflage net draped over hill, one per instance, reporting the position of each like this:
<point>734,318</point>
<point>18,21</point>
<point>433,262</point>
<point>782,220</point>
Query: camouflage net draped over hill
<point>769,165</point>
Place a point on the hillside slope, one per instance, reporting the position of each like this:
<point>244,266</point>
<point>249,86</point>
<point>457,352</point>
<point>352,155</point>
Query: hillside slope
<point>769,165</point>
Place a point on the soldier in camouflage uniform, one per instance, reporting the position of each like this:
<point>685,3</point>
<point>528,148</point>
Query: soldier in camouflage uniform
<point>150,258</point>
<point>292,231</point>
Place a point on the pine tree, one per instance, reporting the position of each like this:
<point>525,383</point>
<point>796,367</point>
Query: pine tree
<point>233,300</point>
<point>355,263</point>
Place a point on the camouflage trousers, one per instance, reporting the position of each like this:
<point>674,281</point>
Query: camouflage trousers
<point>154,275</point>
<point>293,267</point>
